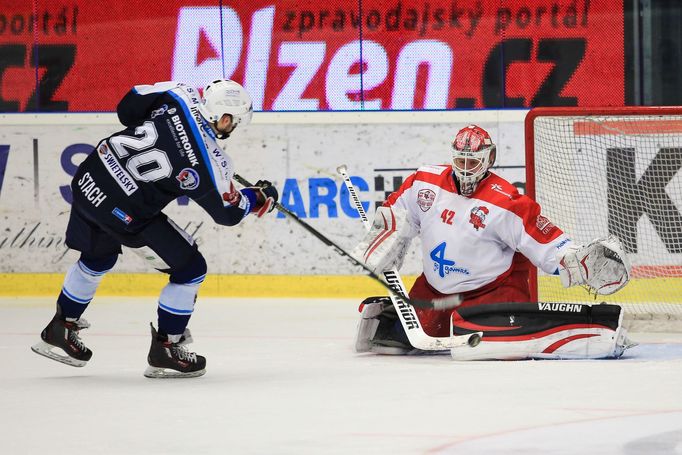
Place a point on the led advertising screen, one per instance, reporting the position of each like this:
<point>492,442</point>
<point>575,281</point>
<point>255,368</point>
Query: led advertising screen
<point>82,56</point>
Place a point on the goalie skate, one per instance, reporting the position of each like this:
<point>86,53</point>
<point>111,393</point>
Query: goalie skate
<point>169,360</point>
<point>60,342</point>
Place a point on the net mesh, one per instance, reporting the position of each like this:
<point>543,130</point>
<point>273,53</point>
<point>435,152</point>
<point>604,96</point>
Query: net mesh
<point>617,174</point>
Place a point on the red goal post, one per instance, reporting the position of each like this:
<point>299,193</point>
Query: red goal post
<point>599,171</point>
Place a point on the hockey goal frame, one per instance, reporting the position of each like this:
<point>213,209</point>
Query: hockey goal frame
<point>530,145</point>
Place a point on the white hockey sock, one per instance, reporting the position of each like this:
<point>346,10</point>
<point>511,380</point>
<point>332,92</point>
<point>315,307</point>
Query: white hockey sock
<point>179,298</point>
<point>80,283</point>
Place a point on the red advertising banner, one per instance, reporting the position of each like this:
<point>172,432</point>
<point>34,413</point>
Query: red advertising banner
<point>332,55</point>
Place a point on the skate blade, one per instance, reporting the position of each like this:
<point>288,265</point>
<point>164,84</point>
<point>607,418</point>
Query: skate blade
<point>167,373</point>
<point>47,350</point>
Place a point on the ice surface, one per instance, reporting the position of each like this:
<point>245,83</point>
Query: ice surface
<point>282,378</point>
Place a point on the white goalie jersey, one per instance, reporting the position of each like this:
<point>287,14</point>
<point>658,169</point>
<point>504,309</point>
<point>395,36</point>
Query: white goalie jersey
<point>468,242</point>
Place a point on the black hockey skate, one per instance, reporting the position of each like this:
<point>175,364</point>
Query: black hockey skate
<point>173,360</point>
<point>62,335</point>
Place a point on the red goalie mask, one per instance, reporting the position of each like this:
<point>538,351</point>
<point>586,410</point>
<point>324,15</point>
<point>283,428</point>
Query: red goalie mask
<point>473,153</point>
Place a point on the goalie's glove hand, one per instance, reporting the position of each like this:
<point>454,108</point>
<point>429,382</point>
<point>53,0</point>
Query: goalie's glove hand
<point>601,265</point>
<point>266,197</point>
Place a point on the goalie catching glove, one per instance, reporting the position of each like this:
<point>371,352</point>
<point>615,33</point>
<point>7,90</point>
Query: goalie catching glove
<point>386,243</point>
<point>601,265</point>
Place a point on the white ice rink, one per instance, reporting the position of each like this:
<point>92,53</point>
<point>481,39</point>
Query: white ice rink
<point>282,379</point>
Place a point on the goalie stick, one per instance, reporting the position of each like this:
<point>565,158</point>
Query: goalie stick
<point>437,305</point>
<point>408,318</point>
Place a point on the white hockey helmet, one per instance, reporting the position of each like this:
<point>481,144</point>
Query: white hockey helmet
<point>473,153</point>
<point>224,96</point>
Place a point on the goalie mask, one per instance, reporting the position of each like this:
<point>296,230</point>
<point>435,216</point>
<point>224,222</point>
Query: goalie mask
<point>473,153</point>
<point>224,96</point>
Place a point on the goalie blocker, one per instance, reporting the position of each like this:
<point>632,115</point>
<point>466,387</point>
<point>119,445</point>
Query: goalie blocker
<point>515,331</point>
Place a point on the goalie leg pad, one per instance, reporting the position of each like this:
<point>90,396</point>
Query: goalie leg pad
<point>377,331</point>
<point>367,327</point>
<point>519,331</point>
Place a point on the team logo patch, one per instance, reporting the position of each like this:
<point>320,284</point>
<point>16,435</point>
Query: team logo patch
<point>478,215</point>
<point>121,215</point>
<point>543,224</point>
<point>425,199</point>
<point>233,197</point>
<point>188,178</point>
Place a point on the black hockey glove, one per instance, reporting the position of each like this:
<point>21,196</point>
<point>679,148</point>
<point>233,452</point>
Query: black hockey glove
<point>266,195</point>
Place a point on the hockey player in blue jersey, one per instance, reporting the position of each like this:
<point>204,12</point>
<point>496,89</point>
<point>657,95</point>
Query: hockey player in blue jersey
<point>168,149</point>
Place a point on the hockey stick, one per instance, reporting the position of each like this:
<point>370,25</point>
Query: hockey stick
<point>437,305</point>
<point>408,318</point>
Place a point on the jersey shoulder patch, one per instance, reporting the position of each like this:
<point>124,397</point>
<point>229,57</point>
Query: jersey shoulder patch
<point>438,175</point>
<point>436,169</point>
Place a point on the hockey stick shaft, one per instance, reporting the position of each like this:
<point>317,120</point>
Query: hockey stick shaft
<point>445,303</point>
<point>408,318</point>
<point>324,239</point>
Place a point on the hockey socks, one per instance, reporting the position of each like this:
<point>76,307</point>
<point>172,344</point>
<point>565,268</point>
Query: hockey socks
<point>176,305</point>
<point>80,284</point>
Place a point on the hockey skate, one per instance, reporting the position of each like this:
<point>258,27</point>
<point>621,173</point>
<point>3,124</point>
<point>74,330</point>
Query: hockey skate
<point>61,335</point>
<point>168,359</point>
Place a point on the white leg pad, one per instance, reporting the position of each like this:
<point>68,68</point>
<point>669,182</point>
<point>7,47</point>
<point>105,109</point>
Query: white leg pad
<point>581,343</point>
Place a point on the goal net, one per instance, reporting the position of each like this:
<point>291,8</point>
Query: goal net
<point>614,171</point>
